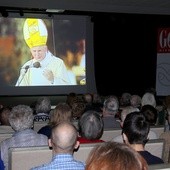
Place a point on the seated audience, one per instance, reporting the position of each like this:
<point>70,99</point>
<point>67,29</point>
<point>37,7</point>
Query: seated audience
<point>135,133</point>
<point>63,142</point>
<point>42,109</point>
<point>90,127</point>
<point>62,112</point>
<point>21,120</point>
<point>5,126</point>
<point>115,156</point>
<point>110,109</point>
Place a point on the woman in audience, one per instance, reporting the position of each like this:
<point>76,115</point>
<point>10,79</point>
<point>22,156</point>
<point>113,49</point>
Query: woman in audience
<point>115,156</point>
<point>90,127</point>
<point>5,126</point>
<point>62,112</point>
<point>42,109</point>
<point>135,133</point>
<point>21,120</point>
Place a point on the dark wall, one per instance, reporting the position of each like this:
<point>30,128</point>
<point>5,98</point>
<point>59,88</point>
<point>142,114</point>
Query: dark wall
<point>125,52</point>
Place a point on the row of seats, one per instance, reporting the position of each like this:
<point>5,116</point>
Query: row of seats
<point>40,155</point>
<point>107,134</point>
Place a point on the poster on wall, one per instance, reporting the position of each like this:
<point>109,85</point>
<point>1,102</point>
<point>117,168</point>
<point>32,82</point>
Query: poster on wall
<point>163,62</point>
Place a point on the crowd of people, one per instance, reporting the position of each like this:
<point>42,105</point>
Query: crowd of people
<point>83,119</point>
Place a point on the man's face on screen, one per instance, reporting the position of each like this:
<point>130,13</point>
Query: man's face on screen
<point>39,52</point>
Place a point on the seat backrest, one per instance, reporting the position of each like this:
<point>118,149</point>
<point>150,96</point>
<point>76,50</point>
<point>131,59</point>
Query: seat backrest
<point>156,147</point>
<point>39,125</point>
<point>4,136</point>
<point>83,151</point>
<point>160,166</point>
<point>108,135</point>
<point>27,157</point>
<point>158,129</point>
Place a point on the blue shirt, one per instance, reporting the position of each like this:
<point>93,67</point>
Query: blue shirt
<point>62,162</point>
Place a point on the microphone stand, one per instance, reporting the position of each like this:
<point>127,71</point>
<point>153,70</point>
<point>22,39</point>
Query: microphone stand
<point>23,75</point>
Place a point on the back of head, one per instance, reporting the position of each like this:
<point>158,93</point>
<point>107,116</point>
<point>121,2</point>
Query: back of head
<point>64,137</point>
<point>125,99</point>
<point>148,98</point>
<point>111,104</point>
<point>135,101</point>
<point>126,110</point>
<point>136,128</point>
<point>91,125</point>
<point>88,98</point>
<point>4,116</point>
<point>150,114</point>
<point>77,107</point>
<point>21,117</point>
<point>62,112</point>
<point>43,105</point>
<point>115,156</point>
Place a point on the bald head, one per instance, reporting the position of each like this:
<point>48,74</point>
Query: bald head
<point>64,137</point>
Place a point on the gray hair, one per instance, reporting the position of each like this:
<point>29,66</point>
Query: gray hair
<point>21,117</point>
<point>43,105</point>
<point>148,99</point>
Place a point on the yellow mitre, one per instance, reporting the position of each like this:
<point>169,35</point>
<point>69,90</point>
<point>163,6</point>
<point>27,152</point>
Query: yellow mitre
<point>35,32</point>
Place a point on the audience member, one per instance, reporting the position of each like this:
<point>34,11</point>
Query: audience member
<point>125,111</point>
<point>70,97</point>
<point>62,112</point>
<point>42,109</point>
<point>21,120</point>
<point>125,99</point>
<point>97,102</point>
<point>63,142</point>
<point>151,115</point>
<point>110,109</point>
<point>148,98</point>
<point>135,101</point>
<point>135,133</point>
<point>115,156</point>
<point>5,126</point>
<point>90,127</point>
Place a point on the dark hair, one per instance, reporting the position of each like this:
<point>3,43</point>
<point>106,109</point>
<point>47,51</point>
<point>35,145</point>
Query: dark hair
<point>150,114</point>
<point>136,128</point>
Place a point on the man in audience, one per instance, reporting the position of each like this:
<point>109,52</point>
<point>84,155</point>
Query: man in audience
<point>63,142</point>
<point>135,133</point>
<point>110,109</point>
<point>115,156</point>
<point>21,120</point>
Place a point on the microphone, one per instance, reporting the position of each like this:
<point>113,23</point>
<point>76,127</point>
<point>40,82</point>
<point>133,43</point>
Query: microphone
<point>35,65</point>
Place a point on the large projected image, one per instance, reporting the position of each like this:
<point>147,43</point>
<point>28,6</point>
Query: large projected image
<point>30,53</point>
<point>42,55</point>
